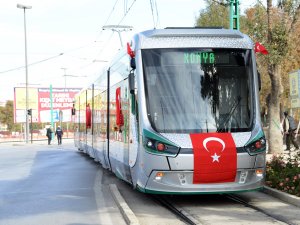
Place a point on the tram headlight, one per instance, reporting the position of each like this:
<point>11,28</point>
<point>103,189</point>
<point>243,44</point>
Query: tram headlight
<point>157,144</point>
<point>259,172</point>
<point>159,176</point>
<point>256,146</point>
<point>160,147</point>
<point>149,144</point>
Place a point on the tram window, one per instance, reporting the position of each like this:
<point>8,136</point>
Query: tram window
<point>186,97</point>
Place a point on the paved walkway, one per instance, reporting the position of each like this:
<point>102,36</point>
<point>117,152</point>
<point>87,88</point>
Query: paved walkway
<point>292,154</point>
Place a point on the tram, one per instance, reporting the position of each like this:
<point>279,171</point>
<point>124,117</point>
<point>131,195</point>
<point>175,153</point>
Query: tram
<point>177,112</point>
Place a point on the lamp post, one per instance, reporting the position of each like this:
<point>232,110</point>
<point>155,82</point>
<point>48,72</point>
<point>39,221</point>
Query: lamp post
<point>24,7</point>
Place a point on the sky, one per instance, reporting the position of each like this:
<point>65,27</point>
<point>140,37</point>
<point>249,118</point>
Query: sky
<point>66,45</point>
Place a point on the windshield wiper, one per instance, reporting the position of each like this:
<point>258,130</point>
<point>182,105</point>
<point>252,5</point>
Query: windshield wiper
<point>229,115</point>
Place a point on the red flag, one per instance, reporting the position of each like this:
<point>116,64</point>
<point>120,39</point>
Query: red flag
<point>215,158</point>
<point>119,114</point>
<point>129,51</point>
<point>88,116</point>
<point>260,48</point>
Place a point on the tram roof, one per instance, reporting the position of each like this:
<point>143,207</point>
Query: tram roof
<point>192,37</point>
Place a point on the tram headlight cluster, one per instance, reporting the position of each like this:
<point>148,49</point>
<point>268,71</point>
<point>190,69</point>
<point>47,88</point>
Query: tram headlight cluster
<point>158,144</point>
<point>256,146</point>
<point>159,147</point>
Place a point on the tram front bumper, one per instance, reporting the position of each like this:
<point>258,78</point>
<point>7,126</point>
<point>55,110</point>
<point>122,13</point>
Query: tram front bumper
<point>181,182</point>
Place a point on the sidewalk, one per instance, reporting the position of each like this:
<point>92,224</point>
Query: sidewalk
<point>35,137</point>
<point>283,196</point>
<point>286,154</point>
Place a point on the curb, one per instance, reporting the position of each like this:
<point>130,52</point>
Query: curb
<point>291,199</point>
<point>127,213</point>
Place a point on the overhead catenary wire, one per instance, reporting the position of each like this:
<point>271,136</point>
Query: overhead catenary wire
<point>127,12</point>
<point>81,47</point>
<point>64,53</point>
<point>31,64</point>
<point>153,6</point>
<point>157,14</point>
<point>106,21</point>
<point>47,59</point>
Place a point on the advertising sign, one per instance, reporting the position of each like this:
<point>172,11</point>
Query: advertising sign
<point>40,102</point>
<point>294,78</point>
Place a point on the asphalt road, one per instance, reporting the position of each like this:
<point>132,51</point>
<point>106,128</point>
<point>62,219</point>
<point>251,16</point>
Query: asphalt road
<point>58,185</point>
<point>44,184</point>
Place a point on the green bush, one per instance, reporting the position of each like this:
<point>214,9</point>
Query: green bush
<point>284,175</point>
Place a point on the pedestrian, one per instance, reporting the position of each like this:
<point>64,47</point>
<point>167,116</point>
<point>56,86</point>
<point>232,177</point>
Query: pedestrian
<point>59,133</point>
<point>289,129</point>
<point>49,134</point>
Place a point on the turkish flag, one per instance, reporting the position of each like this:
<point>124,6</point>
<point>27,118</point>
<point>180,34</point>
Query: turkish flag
<point>88,116</point>
<point>260,48</point>
<point>215,158</point>
<point>129,51</point>
<point>119,114</point>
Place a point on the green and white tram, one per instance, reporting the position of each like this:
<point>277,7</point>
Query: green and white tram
<point>177,112</point>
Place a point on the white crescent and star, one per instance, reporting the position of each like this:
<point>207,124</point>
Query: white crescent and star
<point>215,157</point>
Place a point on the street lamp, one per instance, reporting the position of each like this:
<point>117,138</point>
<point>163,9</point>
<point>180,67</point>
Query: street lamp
<point>24,7</point>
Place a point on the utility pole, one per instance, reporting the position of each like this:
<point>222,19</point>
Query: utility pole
<point>234,15</point>
<point>24,7</point>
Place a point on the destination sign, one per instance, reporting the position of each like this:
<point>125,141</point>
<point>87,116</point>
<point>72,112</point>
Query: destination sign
<point>199,58</point>
<point>206,58</point>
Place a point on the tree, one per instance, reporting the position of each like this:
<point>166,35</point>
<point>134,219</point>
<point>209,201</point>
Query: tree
<point>255,25</point>
<point>278,29</point>
<point>214,14</point>
<point>275,27</point>
<point>6,115</point>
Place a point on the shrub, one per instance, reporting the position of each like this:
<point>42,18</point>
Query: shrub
<point>284,174</point>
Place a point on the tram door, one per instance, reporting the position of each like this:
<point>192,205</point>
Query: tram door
<point>119,131</point>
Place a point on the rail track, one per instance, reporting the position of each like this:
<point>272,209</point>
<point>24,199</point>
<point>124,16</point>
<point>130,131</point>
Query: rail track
<point>255,208</point>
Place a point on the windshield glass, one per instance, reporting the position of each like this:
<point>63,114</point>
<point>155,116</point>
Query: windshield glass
<point>198,90</point>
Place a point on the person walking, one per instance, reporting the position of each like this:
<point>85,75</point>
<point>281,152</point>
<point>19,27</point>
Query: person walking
<point>289,129</point>
<point>59,133</point>
<point>49,134</point>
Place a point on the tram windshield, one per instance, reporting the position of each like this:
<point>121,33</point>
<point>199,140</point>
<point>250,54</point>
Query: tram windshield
<point>199,90</point>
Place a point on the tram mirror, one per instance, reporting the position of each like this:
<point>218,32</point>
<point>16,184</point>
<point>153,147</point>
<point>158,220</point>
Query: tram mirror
<point>131,82</point>
<point>132,63</point>
<point>259,80</point>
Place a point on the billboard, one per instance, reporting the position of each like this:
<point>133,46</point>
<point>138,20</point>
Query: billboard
<point>40,101</point>
<point>294,78</point>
